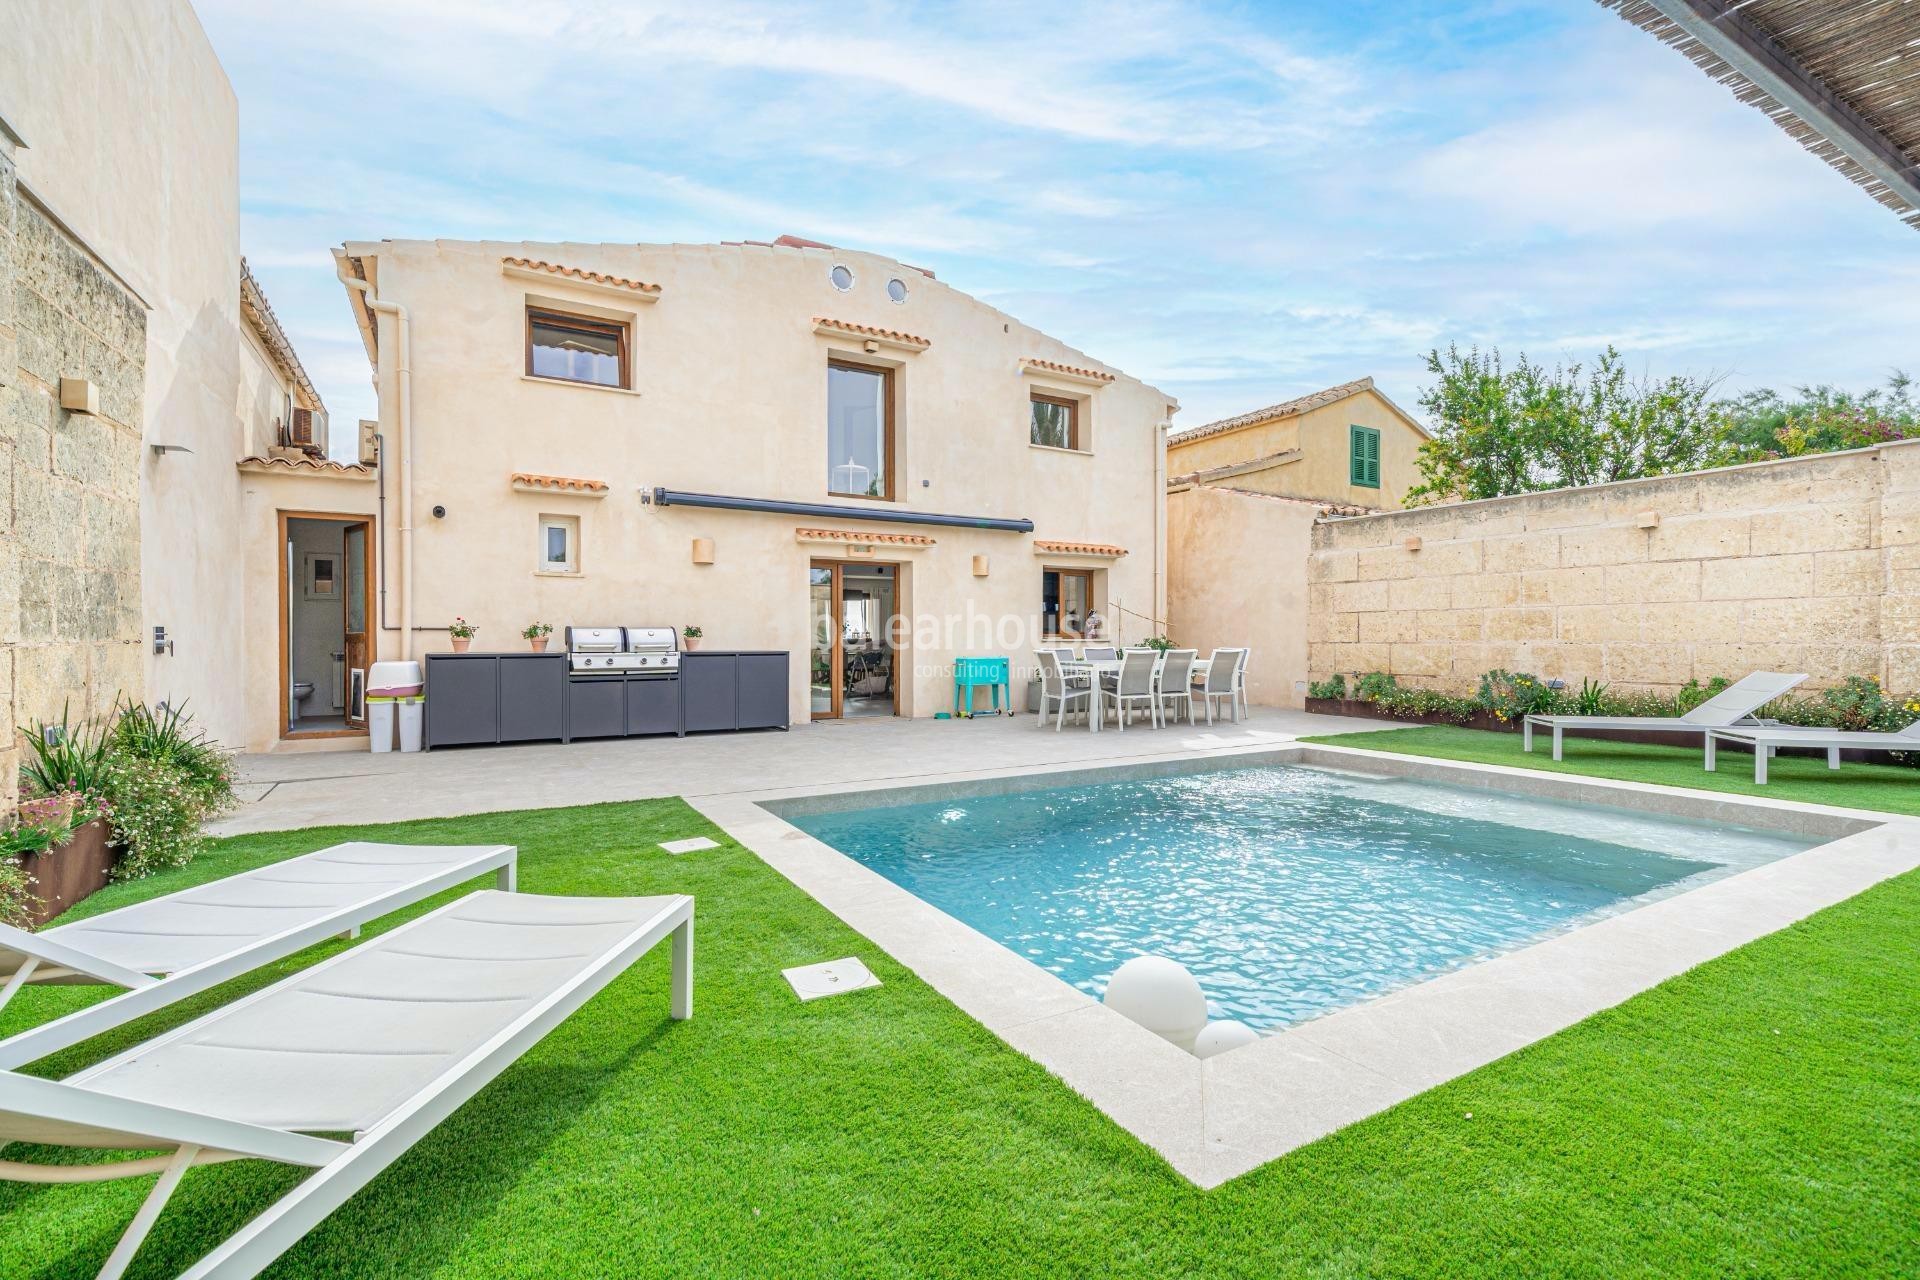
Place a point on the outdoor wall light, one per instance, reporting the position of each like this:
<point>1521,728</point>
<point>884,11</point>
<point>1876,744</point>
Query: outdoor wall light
<point>1647,519</point>
<point>1413,544</point>
<point>979,566</point>
<point>703,550</point>
<point>439,512</point>
<point>77,395</point>
<point>162,450</point>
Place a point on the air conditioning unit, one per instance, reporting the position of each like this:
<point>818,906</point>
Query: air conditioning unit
<point>301,431</point>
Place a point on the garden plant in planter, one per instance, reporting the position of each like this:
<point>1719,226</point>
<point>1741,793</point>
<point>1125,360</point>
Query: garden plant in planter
<point>117,801</point>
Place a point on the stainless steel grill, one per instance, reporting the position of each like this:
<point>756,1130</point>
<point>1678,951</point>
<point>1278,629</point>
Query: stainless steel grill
<point>648,649</point>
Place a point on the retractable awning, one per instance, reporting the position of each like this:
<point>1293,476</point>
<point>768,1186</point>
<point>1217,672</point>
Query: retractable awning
<point>820,510</point>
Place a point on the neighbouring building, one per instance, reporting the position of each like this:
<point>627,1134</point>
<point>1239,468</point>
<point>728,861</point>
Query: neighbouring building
<point>1243,495</point>
<point>155,423</point>
<point>1803,564</point>
<point>120,351</point>
<point>785,444</point>
<point>1348,445</point>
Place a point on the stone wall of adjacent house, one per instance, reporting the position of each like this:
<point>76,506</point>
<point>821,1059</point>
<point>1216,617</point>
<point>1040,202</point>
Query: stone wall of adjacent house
<point>70,504</point>
<point>1807,564</point>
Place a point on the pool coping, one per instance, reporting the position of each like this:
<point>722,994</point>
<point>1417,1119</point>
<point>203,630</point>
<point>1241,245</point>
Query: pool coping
<point>1216,1119</point>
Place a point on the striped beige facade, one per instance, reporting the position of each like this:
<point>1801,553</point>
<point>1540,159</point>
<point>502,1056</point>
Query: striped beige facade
<point>1805,564</point>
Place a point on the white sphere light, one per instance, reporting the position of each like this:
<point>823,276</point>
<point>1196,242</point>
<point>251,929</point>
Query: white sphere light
<point>1218,1037</point>
<point>1161,996</point>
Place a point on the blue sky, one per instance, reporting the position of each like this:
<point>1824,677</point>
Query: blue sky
<point>1237,203</point>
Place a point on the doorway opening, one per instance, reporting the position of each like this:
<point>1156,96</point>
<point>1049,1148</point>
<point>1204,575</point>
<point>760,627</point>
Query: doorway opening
<point>855,664</point>
<point>326,645</point>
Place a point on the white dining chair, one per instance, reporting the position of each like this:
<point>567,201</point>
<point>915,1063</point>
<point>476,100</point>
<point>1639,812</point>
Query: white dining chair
<point>1176,684</point>
<point>1134,685</point>
<point>1219,684</point>
<point>1060,691</point>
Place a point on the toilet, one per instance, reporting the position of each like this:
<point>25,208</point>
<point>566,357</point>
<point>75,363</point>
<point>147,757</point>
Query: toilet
<point>302,690</point>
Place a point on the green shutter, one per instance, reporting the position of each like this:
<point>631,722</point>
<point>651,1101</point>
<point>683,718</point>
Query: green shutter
<point>1363,457</point>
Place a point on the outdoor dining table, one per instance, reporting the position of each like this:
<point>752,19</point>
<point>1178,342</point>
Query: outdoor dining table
<point>1094,668</point>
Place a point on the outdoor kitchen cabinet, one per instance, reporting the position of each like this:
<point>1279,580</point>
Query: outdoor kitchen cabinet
<point>763,690</point>
<point>531,705</point>
<point>532,697</point>
<point>494,697</point>
<point>745,690</point>
<point>463,699</point>
<point>653,706</point>
<point>710,690</point>
<point>597,707</point>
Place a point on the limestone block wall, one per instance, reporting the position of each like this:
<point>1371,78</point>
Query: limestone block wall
<point>1806,564</point>
<point>70,504</point>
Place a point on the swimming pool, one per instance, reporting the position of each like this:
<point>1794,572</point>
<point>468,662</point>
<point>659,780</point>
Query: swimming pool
<point>1289,891</point>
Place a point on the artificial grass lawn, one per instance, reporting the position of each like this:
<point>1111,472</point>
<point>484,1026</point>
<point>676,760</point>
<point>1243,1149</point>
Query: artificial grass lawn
<point>1758,1114</point>
<point>1889,788</point>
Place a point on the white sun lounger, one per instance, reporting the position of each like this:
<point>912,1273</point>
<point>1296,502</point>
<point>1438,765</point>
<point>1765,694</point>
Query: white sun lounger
<point>382,1042</point>
<point>169,948</point>
<point>1732,705</point>
<point>1765,741</point>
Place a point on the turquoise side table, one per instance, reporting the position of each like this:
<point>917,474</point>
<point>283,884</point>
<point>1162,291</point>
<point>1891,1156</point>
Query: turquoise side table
<point>969,672</point>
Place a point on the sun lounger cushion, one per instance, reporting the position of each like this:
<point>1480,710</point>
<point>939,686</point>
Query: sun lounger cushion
<point>338,1048</point>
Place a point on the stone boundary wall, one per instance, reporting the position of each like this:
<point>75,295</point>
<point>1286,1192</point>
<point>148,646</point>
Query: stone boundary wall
<point>69,482</point>
<point>1805,564</point>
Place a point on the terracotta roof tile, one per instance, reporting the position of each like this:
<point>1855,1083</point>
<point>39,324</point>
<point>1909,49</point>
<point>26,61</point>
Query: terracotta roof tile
<point>1078,548</point>
<point>558,484</point>
<point>580,273</point>
<point>872,331</point>
<point>327,466</point>
<point>1285,409</point>
<point>1050,366</point>
<point>863,535</point>
<point>259,312</point>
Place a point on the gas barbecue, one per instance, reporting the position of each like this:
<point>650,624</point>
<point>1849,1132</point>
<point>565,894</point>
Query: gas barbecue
<point>623,650</point>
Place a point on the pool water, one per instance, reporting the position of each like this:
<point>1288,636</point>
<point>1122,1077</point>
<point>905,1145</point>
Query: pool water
<point>1288,891</point>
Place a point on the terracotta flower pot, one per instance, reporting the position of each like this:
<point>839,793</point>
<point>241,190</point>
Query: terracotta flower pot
<point>539,643</point>
<point>65,875</point>
<point>460,643</point>
<point>689,643</point>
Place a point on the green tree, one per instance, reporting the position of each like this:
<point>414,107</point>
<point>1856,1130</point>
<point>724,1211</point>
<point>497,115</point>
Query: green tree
<point>1764,424</point>
<point>1499,431</point>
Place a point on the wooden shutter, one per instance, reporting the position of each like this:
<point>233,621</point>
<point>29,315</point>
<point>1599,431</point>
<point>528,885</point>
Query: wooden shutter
<point>1363,456</point>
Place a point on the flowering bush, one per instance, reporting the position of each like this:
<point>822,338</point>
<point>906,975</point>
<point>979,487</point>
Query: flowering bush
<point>1511,695</point>
<point>157,815</point>
<point>1371,686</point>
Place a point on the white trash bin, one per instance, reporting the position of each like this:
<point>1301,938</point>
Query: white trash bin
<point>380,723</point>
<point>413,716</point>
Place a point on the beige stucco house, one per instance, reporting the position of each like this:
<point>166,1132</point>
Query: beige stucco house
<point>785,444</point>
<point>1348,445</point>
<point>1243,494</point>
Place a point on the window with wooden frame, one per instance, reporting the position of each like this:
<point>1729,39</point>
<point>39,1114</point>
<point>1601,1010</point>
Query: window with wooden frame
<point>570,348</point>
<point>1066,598</point>
<point>1056,422</point>
<point>860,430</point>
<point>1363,457</point>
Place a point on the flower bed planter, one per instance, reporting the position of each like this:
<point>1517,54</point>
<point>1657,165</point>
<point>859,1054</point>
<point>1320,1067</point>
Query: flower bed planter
<point>1363,710</point>
<point>1543,738</point>
<point>65,875</point>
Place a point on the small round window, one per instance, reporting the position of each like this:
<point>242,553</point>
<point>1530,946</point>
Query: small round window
<point>897,290</point>
<point>842,278</point>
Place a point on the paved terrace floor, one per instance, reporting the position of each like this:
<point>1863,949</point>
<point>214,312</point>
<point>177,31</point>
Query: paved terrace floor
<point>284,792</point>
